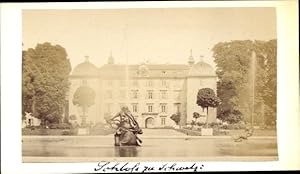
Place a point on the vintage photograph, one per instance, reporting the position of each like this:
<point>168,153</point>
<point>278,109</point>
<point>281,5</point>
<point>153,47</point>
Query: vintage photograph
<point>149,84</point>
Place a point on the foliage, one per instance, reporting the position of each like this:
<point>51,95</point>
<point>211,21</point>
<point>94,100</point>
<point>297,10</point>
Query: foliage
<point>176,117</point>
<point>193,123</point>
<point>231,117</point>
<point>200,124</point>
<point>60,126</point>
<point>43,131</point>
<point>45,71</point>
<point>73,117</point>
<point>207,98</point>
<point>69,132</point>
<point>233,126</point>
<point>196,115</point>
<point>84,97</point>
<point>235,86</point>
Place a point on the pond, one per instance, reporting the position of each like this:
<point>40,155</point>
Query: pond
<point>152,147</point>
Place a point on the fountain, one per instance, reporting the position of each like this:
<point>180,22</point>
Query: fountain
<point>252,77</point>
<point>252,73</point>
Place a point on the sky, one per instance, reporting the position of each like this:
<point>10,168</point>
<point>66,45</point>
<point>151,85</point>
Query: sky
<point>134,36</point>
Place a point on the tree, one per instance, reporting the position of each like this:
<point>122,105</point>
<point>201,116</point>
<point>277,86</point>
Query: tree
<point>176,117</point>
<point>84,97</point>
<point>206,98</point>
<point>235,87</point>
<point>45,71</point>
<point>196,115</point>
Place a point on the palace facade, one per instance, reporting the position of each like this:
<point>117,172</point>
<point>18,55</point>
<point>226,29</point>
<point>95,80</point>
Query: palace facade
<point>152,92</point>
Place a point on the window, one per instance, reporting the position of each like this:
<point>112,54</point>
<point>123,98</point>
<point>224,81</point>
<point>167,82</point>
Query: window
<point>177,83</point>
<point>150,94</point>
<point>163,121</point>
<point>177,107</point>
<point>84,82</point>
<point>163,94</point>
<point>149,83</point>
<point>135,83</point>
<point>108,94</point>
<point>134,94</point>
<point>177,95</point>
<point>164,83</point>
<point>122,94</point>
<point>150,107</point>
<point>163,107</point>
<point>134,107</point>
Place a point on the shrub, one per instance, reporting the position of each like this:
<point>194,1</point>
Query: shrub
<point>68,132</point>
<point>60,126</point>
<point>193,123</point>
<point>200,124</point>
<point>234,126</point>
<point>72,117</point>
<point>224,127</point>
<point>214,125</point>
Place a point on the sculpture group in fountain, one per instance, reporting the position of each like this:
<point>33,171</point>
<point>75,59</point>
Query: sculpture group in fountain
<point>127,128</point>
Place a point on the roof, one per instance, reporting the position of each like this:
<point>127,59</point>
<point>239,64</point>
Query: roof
<point>144,70</point>
<point>85,69</point>
<point>121,71</point>
<point>201,69</point>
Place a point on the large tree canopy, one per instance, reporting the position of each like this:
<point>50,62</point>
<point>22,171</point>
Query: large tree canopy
<point>236,71</point>
<point>45,81</point>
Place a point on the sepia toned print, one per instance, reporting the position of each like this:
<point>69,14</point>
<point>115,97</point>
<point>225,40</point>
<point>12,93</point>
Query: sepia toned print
<point>149,84</point>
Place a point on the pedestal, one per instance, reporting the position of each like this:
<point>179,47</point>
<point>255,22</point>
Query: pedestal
<point>206,131</point>
<point>83,131</point>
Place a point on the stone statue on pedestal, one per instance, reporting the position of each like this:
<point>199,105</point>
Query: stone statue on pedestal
<point>127,128</point>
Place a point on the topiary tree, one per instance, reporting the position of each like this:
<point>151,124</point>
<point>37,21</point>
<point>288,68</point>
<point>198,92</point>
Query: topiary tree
<point>207,98</point>
<point>176,117</point>
<point>84,97</point>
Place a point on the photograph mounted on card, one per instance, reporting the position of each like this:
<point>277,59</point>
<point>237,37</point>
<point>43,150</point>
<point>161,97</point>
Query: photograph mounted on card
<point>149,84</point>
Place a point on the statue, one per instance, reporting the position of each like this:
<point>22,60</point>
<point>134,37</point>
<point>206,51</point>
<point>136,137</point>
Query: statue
<point>127,128</point>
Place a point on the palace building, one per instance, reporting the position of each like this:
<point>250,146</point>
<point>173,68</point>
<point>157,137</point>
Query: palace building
<point>152,92</point>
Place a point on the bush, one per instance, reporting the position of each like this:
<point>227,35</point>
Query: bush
<point>68,132</point>
<point>232,117</point>
<point>72,117</point>
<point>200,124</point>
<point>60,126</point>
<point>214,125</point>
<point>233,126</point>
<point>193,123</point>
<point>224,127</point>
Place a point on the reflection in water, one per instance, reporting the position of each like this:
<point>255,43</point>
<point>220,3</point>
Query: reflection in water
<point>126,151</point>
<point>104,147</point>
